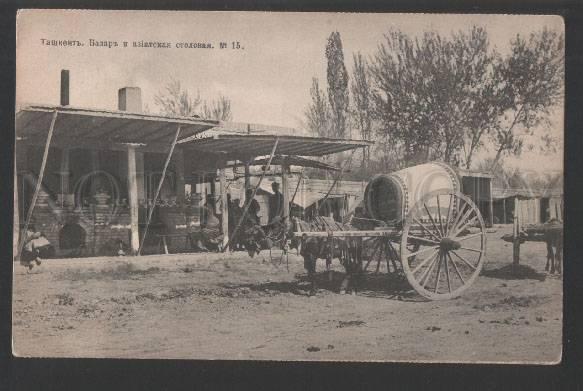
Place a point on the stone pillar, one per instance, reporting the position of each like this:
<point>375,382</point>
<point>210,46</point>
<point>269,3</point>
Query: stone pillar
<point>133,199</point>
<point>140,176</point>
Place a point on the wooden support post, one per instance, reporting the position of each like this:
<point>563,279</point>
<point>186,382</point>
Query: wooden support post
<point>516,238</point>
<point>247,174</point>
<point>224,205</point>
<point>38,182</point>
<point>180,182</point>
<point>285,188</point>
<point>504,210</point>
<point>157,194</point>
<point>133,199</point>
<point>491,203</point>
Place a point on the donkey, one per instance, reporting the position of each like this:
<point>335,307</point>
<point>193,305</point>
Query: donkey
<point>347,250</point>
<point>554,239</point>
<point>255,237</point>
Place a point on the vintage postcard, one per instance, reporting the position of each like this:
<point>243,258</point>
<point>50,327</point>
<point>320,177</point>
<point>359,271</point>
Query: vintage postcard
<point>289,186</point>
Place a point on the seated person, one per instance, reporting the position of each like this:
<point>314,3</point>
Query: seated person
<point>210,234</point>
<point>35,248</point>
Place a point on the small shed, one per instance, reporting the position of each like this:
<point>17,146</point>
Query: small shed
<point>535,206</point>
<point>478,186</point>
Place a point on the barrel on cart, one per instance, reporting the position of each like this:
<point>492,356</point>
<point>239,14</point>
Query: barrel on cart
<point>424,228</point>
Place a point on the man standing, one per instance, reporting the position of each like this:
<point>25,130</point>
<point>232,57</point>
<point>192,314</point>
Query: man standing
<point>276,206</point>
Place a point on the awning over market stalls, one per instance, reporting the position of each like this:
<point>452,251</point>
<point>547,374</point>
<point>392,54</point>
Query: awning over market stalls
<point>291,161</point>
<point>240,146</point>
<point>91,128</point>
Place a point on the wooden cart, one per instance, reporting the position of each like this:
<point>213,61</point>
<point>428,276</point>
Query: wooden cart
<point>438,243</point>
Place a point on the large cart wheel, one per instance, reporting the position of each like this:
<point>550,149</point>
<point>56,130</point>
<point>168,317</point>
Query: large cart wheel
<point>443,245</point>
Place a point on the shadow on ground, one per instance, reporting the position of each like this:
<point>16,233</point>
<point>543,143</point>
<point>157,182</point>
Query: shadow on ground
<point>369,285</point>
<point>515,272</point>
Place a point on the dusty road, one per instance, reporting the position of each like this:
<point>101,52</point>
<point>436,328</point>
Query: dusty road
<point>233,307</point>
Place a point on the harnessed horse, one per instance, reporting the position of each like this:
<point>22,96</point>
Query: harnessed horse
<point>347,250</point>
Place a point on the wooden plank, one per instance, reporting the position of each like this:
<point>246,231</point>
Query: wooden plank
<point>515,233</point>
<point>224,205</point>
<point>176,120</point>
<point>339,234</point>
<point>285,189</point>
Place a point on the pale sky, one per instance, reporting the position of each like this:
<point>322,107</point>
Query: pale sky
<point>268,81</point>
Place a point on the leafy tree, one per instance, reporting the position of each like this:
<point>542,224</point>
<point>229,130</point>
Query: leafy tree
<point>318,116</point>
<point>531,84</point>
<point>429,91</point>
<point>219,109</point>
<point>337,76</point>
<point>173,100</point>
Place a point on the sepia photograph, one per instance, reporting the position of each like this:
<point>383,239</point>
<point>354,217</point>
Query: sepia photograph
<point>288,186</point>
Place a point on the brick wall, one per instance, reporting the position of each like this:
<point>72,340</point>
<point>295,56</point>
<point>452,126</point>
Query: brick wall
<point>103,226</point>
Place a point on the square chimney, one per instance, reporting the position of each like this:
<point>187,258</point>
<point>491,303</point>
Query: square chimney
<point>64,87</point>
<point>130,99</point>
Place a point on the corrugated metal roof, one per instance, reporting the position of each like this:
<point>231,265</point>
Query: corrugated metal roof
<point>500,193</point>
<point>292,161</point>
<point>78,126</point>
<point>243,145</point>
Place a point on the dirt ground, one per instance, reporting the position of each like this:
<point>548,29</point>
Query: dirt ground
<point>217,306</point>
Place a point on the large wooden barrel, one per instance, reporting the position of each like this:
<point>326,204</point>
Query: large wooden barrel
<point>388,197</point>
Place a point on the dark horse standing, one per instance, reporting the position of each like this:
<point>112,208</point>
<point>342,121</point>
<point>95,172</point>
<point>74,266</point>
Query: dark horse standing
<point>347,250</point>
<point>255,237</point>
<point>553,237</point>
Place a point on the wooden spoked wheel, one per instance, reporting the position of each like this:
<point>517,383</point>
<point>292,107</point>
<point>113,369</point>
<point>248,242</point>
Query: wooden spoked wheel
<point>443,245</point>
<point>381,256</point>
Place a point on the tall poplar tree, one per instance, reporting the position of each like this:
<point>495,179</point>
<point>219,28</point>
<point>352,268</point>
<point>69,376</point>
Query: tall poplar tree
<point>337,76</point>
